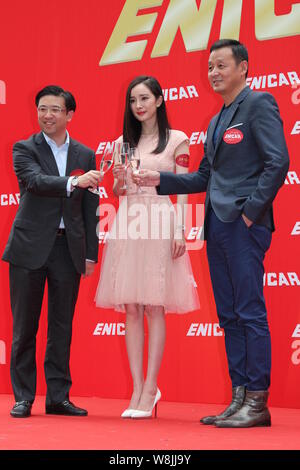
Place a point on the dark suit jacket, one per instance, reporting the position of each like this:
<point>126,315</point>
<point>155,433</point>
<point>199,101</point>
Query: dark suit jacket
<point>246,168</point>
<point>44,200</point>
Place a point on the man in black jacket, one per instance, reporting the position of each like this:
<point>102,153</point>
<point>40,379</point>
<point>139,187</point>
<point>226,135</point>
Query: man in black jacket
<point>244,165</point>
<point>53,238</point>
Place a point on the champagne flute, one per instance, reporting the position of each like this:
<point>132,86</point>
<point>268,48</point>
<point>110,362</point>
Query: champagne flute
<point>124,159</point>
<point>135,163</point>
<point>105,164</point>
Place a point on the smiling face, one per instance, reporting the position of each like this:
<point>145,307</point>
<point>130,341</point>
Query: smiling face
<point>53,116</point>
<point>143,103</point>
<point>224,74</point>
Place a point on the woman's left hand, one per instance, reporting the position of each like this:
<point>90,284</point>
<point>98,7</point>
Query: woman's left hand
<point>178,246</point>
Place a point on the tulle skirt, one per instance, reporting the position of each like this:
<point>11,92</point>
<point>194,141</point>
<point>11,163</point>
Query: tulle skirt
<point>137,264</point>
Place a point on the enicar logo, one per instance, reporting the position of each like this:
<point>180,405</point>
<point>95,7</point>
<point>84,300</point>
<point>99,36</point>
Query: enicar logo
<point>233,136</point>
<point>195,24</point>
<point>109,329</point>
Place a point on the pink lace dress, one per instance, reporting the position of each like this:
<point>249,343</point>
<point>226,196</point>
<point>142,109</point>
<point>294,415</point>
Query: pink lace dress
<point>137,265</point>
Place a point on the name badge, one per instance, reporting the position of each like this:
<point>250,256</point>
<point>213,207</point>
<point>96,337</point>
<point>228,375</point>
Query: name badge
<point>233,136</point>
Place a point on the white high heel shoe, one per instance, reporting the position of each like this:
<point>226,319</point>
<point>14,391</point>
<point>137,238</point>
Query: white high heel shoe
<point>147,414</point>
<point>127,413</point>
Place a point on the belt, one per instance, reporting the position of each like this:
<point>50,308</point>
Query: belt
<point>60,231</point>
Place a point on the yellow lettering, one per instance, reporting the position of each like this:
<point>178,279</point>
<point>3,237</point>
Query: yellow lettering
<point>129,24</point>
<point>195,26</point>
<point>231,19</point>
<point>270,26</point>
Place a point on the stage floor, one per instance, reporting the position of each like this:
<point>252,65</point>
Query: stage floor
<point>176,427</point>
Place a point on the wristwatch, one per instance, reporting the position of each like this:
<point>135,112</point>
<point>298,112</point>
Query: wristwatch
<point>74,181</point>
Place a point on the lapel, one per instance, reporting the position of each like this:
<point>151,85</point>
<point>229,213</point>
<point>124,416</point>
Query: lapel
<point>210,133</point>
<point>72,157</point>
<point>46,156</point>
<point>231,112</point>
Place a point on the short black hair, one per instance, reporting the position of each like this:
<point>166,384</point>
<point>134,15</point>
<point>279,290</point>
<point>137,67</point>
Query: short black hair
<point>239,51</point>
<point>57,91</point>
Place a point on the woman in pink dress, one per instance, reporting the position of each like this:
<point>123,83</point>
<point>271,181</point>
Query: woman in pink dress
<point>145,269</point>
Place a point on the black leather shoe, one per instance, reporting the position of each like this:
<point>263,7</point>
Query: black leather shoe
<point>21,409</point>
<point>238,396</point>
<point>254,412</point>
<point>65,408</point>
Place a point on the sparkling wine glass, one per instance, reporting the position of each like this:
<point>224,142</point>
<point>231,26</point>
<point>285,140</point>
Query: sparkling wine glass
<point>135,163</point>
<point>124,159</point>
<point>105,164</point>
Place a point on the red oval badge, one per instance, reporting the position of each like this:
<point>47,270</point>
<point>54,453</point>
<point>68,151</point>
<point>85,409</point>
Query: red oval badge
<point>233,136</point>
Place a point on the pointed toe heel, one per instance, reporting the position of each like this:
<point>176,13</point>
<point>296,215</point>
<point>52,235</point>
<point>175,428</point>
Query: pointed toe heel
<point>138,414</point>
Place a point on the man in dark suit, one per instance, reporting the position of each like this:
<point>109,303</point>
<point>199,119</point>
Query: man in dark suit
<point>244,165</point>
<point>53,238</point>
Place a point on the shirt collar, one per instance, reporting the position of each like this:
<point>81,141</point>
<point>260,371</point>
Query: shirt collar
<point>52,143</point>
<point>240,96</point>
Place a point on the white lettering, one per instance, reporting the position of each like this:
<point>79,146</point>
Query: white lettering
<point>102,193</point>
<point>173,94</point>
<point>296,229</point>
<point>192,91</point>
<point>204,329</point>
<point>256,82</point>
<point>109,329</point>
<point>281,279</point>
<point>182,93</point>
<point>292,178</point>
<point>104,147</point>
<point>198,137</point>
<point>293,279</point>
<point>195,233</point>
<point>120,460</point>
<point>296,333</point>
<point>103,237</point>
<point>294,79</point>
<point>9,199</point>
<point>273,80</point>
<point>296,128</point>
<point>283,80</point>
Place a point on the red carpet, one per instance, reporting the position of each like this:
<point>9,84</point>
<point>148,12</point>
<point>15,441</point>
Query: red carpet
<point>177,427</point>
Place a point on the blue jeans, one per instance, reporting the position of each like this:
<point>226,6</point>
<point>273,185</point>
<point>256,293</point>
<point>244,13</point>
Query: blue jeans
<point>235,255</point>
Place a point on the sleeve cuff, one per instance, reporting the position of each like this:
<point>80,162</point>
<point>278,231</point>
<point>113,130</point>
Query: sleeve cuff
<point>70,188</point>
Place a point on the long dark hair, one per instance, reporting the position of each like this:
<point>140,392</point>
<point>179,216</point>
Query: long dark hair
<point>132,128</point>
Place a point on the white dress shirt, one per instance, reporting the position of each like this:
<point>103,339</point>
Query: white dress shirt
<point>60,154</point>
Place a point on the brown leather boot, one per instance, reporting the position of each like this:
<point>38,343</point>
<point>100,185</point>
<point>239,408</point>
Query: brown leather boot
<point>238,396</point>
<point>254,412</point>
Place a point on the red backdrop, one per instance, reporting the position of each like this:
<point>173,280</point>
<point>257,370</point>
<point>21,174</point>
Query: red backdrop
<point>94,49</point>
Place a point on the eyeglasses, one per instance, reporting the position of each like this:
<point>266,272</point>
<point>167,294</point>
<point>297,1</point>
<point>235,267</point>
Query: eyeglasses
<point>52,109</point>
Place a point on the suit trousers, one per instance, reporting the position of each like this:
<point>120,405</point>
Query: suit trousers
<point>235,256</point>
<point>26,293</point>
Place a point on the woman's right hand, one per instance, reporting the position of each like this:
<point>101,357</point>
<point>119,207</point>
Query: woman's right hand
<point>119,171</point>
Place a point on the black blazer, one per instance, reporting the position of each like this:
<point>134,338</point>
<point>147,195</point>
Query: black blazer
<point>246,168</point>
<point>44,200</point>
